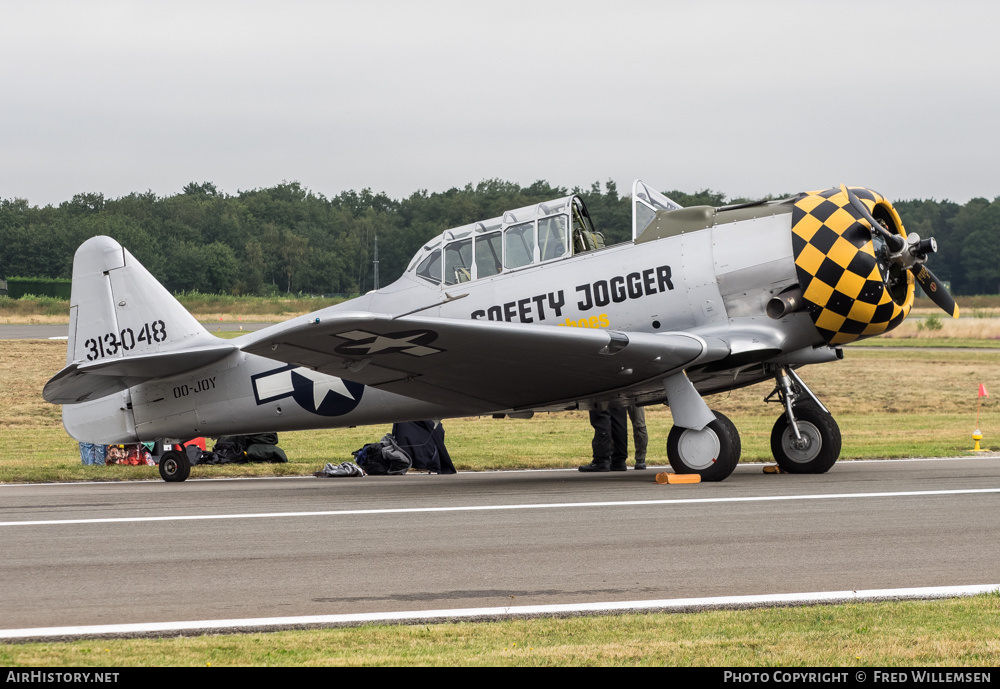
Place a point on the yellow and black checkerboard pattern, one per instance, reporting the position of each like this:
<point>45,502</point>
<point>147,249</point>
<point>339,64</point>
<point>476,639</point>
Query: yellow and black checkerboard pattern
<point>841,280</point>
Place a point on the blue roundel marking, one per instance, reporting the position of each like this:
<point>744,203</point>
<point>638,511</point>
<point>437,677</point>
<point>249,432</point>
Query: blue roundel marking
<point>323,399</point>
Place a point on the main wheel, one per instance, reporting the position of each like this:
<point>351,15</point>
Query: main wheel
<point>819,447</point>
<point>712,452</point>
<point>174,466</point>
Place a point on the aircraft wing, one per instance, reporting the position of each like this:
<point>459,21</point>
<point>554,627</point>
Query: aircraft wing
<point>484,365</point>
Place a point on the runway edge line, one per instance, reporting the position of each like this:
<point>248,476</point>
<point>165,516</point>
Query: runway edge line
<point>674,604</point>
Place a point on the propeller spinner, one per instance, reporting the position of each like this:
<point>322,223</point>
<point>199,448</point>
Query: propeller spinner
<point>909,253</point>
<point>857,268</point>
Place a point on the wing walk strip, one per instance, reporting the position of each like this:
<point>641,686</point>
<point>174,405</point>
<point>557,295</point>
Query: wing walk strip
<point>489,508</point>
<point>664,605</point>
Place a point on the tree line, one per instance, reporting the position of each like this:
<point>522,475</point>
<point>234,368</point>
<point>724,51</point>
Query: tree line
<point>288,238</point>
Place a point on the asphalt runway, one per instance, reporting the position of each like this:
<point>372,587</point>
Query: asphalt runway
<point>234,549</point>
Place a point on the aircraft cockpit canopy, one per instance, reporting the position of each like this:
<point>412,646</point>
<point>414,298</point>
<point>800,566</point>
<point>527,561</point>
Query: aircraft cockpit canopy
<point>646,201</point>
<point>523,237</point>
<point>519,238</point>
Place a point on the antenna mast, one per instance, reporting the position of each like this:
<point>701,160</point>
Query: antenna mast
<point>375,262</point>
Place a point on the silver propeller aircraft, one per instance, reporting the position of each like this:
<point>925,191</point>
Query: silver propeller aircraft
<point>524,313</point>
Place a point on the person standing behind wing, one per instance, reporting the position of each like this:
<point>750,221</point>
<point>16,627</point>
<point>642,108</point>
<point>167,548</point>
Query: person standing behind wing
<point>637,415</point>
<point>610,444</point>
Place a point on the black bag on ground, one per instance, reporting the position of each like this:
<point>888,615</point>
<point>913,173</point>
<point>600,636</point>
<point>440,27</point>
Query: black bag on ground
<point>383,457</point>
<point>225,452</point>
<point>259,447</point>
<point>261,452</point>
<point>259,439</point>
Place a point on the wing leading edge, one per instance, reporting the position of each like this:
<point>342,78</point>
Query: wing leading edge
<point>482,365</point>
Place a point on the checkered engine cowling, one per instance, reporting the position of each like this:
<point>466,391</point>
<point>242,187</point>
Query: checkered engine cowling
<point>842,280</point>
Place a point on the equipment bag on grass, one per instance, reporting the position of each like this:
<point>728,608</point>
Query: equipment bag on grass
<point>383,457</point>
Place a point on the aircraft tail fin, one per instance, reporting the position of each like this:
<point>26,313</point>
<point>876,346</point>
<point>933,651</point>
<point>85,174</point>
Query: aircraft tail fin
<point>125,327</point>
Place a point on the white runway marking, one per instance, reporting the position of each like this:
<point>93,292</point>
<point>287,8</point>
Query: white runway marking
<point>653,470</point>
<point>488,508</point>
<point>520,611</point>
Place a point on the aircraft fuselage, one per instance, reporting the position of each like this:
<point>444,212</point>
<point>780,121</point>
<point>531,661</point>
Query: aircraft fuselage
<point>702,282</point>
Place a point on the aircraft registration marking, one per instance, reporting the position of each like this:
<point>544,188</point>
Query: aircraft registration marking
<point>203,385</point>
<point>126,340</point>
<point>600,293</point>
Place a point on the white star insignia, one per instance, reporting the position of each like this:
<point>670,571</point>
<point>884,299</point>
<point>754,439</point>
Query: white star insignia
<point>382,343</point>
<point>323,385</point>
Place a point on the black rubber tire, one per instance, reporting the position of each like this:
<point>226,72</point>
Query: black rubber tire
<point>174,466</point>
<point>734,435</point>
<point>718,446</point>
<point>823,433</point>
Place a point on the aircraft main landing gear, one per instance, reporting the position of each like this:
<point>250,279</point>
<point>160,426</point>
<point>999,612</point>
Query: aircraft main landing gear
<point>805,439</point>
<point>174,466</point>
<point>712,452</point>
<point>817,446</point>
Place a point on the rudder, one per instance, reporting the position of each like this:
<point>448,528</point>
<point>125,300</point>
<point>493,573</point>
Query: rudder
<point>118,309</point>
<point>125,328</point>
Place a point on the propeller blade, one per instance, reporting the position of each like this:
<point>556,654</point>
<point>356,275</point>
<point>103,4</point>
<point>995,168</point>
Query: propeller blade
<point>932,287</point>
<point>895,242</point>
<point>935,289</point>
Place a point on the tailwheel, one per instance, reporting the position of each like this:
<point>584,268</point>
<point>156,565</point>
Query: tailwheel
<point>174,466</point>
<point>815,450</point>
<point>712,452</point>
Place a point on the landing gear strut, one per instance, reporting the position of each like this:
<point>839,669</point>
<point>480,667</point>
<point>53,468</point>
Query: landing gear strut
<point>806,438</point>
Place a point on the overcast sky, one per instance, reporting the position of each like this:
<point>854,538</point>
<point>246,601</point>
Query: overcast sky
<point>747,98</point>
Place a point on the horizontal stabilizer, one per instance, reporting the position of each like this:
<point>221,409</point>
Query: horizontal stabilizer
<point>82,382</point>
<point>160,365</point>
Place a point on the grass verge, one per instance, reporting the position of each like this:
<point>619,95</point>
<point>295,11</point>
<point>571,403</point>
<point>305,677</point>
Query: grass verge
<point>958,632</point>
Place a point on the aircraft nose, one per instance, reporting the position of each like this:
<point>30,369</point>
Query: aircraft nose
<point>849,289</point>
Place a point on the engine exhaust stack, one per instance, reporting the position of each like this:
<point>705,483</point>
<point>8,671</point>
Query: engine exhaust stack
<point>785,303</point>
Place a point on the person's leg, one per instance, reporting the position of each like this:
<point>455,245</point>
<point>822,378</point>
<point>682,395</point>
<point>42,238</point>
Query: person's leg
<point>639,435</point>
<point>619,439</point>
<point>601,444</point>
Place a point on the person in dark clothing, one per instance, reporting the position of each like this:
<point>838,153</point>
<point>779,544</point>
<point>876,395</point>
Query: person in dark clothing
<point>610,444</point>
<point>424,442</point>
<point>637,415</point>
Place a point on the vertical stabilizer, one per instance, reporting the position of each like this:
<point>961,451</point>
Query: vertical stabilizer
<point>124,329</point>
<point>119,310</point>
